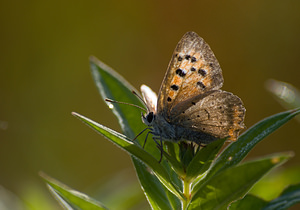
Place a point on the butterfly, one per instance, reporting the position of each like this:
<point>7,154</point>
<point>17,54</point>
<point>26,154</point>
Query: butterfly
<point>190,105</point>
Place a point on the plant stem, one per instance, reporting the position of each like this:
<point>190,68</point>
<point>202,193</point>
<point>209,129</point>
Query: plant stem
<point>186,193</point>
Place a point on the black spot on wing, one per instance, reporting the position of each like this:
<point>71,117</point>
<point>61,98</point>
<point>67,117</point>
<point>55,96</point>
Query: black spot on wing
<point>174,87</point>
<point>202,72</point>
<point>187,57</point>
<point>193,59</point>
<point>201,85</point>
<point>180,72</point>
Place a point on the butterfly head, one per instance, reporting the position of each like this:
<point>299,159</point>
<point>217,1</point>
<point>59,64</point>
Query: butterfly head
<point>148,119</point>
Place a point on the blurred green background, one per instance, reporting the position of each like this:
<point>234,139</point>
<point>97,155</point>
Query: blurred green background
<point>44,76</point>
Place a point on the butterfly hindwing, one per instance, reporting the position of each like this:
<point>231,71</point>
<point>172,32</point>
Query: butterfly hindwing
<point>193,70</point>
<point>219,114</point>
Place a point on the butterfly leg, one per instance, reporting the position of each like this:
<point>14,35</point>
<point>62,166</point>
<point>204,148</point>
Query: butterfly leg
<point>160,146</point>
<point>146,137</point>
<point>141,133</point>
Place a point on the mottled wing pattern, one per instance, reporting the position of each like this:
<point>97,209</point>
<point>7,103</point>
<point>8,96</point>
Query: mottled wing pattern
<point>193,70</point>
<point>219,114</point>
<point>190,97</point>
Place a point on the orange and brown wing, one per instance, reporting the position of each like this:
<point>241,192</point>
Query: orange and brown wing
<point>219,114</point>
<point>192,71</point>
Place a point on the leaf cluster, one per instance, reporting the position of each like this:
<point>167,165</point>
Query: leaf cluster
<point>189,177</point>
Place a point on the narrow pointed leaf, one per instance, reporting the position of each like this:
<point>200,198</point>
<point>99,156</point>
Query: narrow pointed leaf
<point>233,183</point>
<point>249,202</point>
<point>286,94</point>
<point>288,198</point>
<point>120,192</point>
<point>135,150</point>
<point>69,198</point>
<point>203,159</point>
<point>267,190</point>
<point>113,86</point>
<point>175,164</point>
<point>157,198</point>
<point>175,202</point>
<point>238,150</point>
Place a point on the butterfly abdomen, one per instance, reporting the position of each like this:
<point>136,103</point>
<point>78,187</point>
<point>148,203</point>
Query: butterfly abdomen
<point>175,133</point>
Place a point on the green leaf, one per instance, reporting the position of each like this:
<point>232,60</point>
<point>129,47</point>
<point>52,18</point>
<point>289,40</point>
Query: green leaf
<point>113,86</point>
<point>203,159</point>
<point>155,193</point>
<point>249,202</point>
<point>286,94</point>
<point>238,150</point>
<point>174,201</point>
<point>170,156</point>
<point>288,198</point>
<point>69,198</point>
<point>120,191</point>
<point>233,183</point>
<point>135,150</point>
<point>267,190</point>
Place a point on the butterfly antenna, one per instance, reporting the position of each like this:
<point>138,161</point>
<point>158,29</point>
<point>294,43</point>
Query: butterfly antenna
<point>139,97</point>
<point>120,102</point>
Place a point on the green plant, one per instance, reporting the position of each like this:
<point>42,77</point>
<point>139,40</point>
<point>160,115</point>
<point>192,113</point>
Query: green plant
<point>189,177</point>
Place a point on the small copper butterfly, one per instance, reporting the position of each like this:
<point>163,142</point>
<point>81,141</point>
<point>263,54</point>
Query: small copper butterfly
<point>190,105</point>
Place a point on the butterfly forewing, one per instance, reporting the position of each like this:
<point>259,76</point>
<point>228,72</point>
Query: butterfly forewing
<point>190,99</point>
<point>193,70</point>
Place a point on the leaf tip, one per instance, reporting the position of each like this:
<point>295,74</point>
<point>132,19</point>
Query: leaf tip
<point>282,157</point>
<point>92,59</point>
<point>295,111</point>
<point>74,114</point>
<point>43,174</point>
<point>46,177</point>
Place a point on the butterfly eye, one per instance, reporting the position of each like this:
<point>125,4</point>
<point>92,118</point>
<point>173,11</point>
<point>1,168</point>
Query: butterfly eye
<point>150,117</point>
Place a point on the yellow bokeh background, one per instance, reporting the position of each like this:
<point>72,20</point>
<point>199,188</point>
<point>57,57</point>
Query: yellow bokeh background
<point>44,75</point>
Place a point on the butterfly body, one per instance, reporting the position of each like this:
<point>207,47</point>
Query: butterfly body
<point>190,105</point>
<point>175,133</point>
